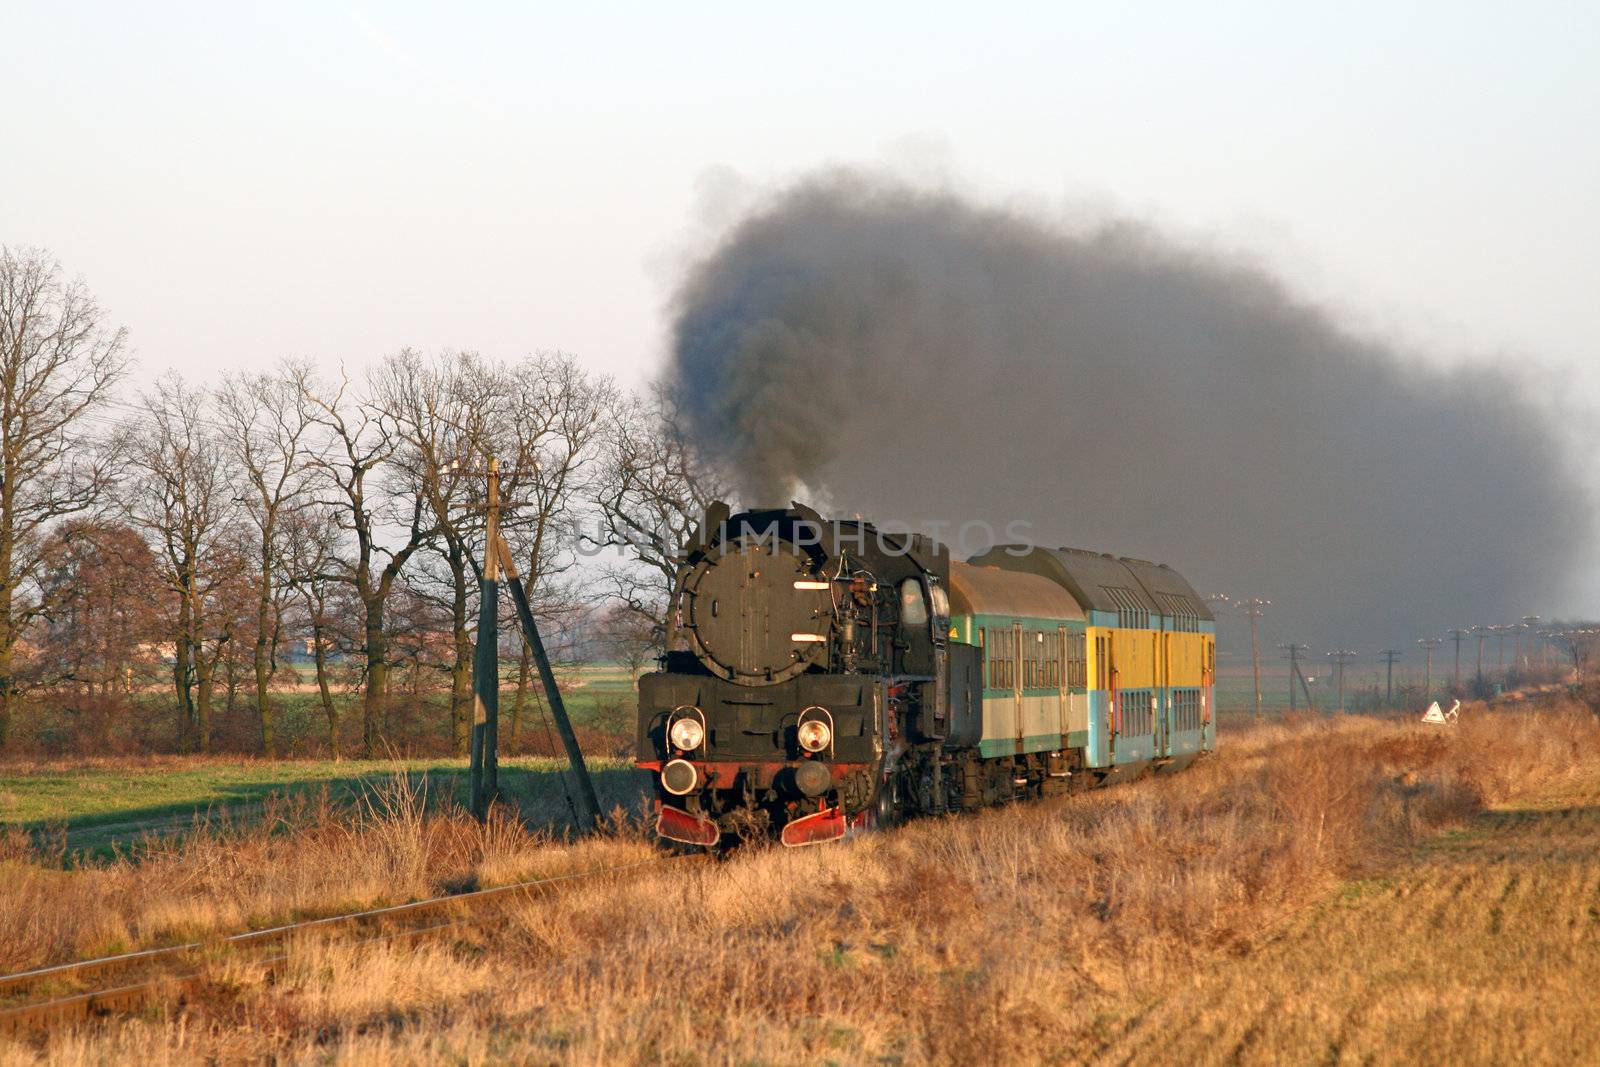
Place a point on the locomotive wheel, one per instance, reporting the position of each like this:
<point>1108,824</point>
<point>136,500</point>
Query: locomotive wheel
<point>888,806</point>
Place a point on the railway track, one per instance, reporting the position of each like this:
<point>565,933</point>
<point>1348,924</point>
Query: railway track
<point>44,998</point>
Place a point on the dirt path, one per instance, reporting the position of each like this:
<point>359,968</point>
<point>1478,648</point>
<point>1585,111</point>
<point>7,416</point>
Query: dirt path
<point>1484,947</point>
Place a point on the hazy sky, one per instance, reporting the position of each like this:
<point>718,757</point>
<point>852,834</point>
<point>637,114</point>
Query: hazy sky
<point>337,181</point>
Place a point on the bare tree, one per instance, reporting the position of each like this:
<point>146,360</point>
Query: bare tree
<point>626,637</point>
<point>550,429</point>
<point>386,520</point>
<point>310,547</point>
<point>654,490</point>
<point>1580,641</point>
<point>440,408</point>
<point>266,424</point>
<point>182,495</point>
<point>58,364</point>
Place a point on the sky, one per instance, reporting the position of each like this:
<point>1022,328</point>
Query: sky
<point>240,183</point>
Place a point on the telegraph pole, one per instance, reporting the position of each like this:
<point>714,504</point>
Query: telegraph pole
<point>1455,678</point>
<point>1253,609</point>
<point>1295,674</point>
<point>483,778</point>
<point>1529,622</point>
<point>1429,643</point>
<point>1340,658</point>
<point>1482,632</point>
<point>485,768</point>
<point>1389,656</point>
<point>588,805</point>
<point>1500,651</point>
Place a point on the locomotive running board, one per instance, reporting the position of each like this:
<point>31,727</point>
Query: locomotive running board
<point>814,829</point>
<point>675,824</point>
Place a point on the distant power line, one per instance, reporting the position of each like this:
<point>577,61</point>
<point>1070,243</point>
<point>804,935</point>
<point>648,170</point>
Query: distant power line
<point>1253,608</point>
<point>1389,656</point>
<point>1429,643</point>
<point>1340,658</point>
<point>1297,675</point>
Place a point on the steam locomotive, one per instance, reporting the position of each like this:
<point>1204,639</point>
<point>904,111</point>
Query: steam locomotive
<point>827,676</point>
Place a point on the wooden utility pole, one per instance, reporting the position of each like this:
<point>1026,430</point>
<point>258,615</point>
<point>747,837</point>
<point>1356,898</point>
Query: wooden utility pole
<point>588,813</point>
<point>1529,622</point>
<point>1455,677</point>
<point>1253,609</point>
<point>1429,643</point>
<point>485,772</point>
<point>485,674</point>
<point>1389,656</point>
<point>484,777</point>
<point>1340,658</point>
<point>1296,675</point>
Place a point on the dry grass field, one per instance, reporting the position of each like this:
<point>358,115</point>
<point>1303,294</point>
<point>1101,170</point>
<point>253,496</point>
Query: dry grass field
<point>1483,946</point>
<point>96,807</point>
<point>1344,890</point>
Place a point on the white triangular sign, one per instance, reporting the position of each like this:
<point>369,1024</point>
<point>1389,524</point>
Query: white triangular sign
<point>1434,713</point>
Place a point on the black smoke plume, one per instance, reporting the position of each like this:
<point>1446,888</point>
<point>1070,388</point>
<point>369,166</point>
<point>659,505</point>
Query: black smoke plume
<point>910,354</point>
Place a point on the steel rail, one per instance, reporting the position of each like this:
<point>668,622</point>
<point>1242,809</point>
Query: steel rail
<point>41,1014</point>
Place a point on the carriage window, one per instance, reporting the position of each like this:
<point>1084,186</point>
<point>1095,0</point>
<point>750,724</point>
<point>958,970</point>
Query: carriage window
<point>1055,648</point>
<point>1077,677</point>
<point>1041,658</point>
<point>913,608</point>
<point>1002,660</point>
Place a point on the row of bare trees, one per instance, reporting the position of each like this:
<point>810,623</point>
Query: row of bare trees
<point>204,532</point>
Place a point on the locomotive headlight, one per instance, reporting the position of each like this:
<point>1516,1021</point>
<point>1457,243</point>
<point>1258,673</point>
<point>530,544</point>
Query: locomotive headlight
<point>679,777</point>
<point>686,734</point>
<point>814,735</point>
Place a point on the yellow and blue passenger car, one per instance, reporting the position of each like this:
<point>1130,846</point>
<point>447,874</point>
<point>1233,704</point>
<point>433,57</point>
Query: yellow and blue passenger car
<point>1104,664</point>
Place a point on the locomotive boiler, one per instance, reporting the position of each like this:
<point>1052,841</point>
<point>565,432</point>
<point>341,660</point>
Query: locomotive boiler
<point>826,676</point>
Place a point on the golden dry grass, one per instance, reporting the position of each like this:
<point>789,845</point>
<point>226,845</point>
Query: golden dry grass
<point>1485,948</point>
<point>305,856</point>
<point>1184,918</point>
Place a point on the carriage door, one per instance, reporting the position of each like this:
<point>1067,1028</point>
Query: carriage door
<point>1108,685</point>
<point>1024,655</point>
<point>1163,742</point>
<point>1063,718</point>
